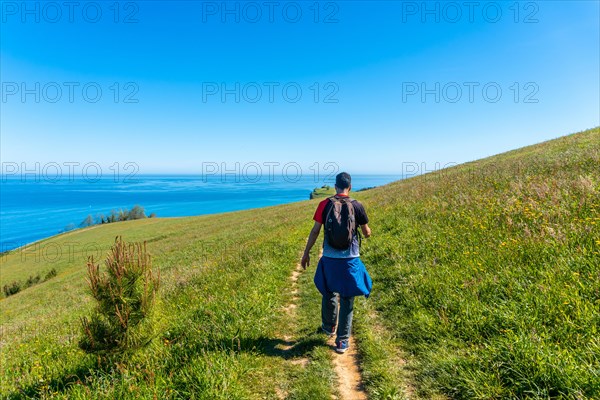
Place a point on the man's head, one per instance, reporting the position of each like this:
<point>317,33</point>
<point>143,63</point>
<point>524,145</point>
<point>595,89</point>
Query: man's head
<point>343,182</point>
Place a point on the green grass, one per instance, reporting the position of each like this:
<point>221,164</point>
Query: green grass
<point>485,286</point>
<point>487,273</point>
<point>220,313</point>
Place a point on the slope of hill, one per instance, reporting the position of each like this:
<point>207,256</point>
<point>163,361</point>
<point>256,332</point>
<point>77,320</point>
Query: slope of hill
<point>485,286</point>
<point>488,273</point>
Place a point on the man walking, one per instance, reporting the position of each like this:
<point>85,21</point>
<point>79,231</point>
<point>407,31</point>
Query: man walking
<point>340,269</point>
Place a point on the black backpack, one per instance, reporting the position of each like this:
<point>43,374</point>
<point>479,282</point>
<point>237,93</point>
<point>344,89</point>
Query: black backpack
<point>340,223</point>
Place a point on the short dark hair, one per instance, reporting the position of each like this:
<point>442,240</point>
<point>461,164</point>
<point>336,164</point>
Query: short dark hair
<point>343,180</point>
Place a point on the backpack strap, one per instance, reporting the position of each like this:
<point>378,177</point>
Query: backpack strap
<point>356,226</point>
<point>332,199</point>
<point>345,199</point>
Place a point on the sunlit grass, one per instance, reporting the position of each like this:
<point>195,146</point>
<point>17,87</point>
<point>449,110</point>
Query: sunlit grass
<point>485,280</point>
<point>489,273</point>
<point>219,312</point>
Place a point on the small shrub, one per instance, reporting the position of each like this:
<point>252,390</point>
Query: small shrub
<point>11,289</point>
<point>125,296</point>
<point>69,227</point>
<point>113,217</point>
<point>137,212</point>
<point>32,280</point>
<point>123,215</point>
<point>88,221</point>
<point>50,274</point>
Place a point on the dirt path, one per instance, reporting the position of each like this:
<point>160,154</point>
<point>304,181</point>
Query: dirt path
<point>347,369</point>
<point>290,309</point>
<point>288,341</point>
<point>346,366</point>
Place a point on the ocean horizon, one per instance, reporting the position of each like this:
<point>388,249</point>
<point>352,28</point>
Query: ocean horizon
<point>32,209</point>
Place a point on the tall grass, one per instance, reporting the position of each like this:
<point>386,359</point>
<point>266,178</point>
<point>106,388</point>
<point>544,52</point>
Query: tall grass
<point>489,273</point>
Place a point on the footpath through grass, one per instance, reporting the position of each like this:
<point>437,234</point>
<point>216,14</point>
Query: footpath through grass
<point>486,285</point>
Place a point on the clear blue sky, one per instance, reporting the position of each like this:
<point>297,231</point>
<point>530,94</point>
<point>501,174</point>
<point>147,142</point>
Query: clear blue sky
<point>373,57</point>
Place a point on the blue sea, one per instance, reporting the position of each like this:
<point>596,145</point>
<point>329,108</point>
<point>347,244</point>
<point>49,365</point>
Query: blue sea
<point>31,209</point>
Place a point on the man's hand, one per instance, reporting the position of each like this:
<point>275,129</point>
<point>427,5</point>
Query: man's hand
<point>305,260</point>
<point>312,238</point>
<point>366,231</point>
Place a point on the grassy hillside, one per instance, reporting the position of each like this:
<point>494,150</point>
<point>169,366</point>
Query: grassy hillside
<point>221,314</point>
<point>486,285</point>
<point>488,273</point>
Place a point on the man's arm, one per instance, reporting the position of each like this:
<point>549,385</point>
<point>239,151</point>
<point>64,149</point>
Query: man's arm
<point>366,231</point>
<point>312,238</point>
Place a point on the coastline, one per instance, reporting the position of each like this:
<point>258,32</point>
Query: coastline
<point>57,205</point>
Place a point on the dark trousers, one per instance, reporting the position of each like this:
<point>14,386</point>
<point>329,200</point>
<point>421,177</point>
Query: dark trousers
<point>331,318</point>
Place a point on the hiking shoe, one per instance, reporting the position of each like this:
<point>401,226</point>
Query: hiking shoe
<point>328,332</point>
<point>342,346</point>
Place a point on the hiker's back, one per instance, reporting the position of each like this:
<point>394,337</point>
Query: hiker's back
<point>341,218</point>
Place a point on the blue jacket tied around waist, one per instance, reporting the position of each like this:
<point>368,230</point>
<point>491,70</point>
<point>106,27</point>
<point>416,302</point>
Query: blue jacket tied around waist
<point>346,276</point>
